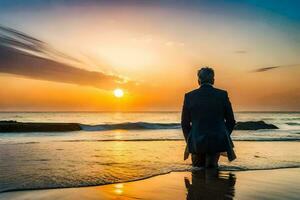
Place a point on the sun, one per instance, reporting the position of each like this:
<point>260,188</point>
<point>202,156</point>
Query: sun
<point>118,93</point>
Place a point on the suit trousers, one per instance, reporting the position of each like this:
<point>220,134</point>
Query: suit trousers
<point>205,160</point>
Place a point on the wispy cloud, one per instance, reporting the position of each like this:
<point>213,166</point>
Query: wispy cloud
<point>240,51</point>
<point>264,69</point>
<point>24,55</point>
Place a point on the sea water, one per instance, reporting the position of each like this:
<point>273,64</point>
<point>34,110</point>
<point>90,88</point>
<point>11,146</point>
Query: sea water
<point>105,152</point>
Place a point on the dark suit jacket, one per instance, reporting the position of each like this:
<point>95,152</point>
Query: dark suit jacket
<point>207,121</point>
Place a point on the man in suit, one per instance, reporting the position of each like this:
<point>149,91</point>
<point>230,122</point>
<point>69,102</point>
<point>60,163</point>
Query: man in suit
<point>207,121</point>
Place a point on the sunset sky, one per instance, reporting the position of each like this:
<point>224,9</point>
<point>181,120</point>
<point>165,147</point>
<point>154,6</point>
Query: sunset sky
<point>71,55</point>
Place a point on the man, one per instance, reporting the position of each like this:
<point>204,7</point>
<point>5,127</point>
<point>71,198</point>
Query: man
<point>207,122</point>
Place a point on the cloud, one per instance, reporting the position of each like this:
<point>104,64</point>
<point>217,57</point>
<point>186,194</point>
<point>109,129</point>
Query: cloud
<point>240,51</point>
<point>263,69</point>
<point>24,55</point>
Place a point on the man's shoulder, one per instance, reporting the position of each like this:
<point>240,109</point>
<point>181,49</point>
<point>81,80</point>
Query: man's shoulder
<point>217,90</point>
<point>191,93</point>
<point>220,91</point>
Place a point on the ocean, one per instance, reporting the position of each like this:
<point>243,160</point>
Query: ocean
<point>118,147</point>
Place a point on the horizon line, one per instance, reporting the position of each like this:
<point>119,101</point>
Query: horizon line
<point>141,111</point>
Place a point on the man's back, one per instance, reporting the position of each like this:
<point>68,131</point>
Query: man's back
<point>207,119</point>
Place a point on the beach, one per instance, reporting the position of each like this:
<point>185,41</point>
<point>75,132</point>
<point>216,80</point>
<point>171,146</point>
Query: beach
<point>262,184</point>
<point>146,156</point>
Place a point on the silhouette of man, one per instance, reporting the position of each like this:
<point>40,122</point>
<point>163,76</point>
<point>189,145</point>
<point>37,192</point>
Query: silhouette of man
<point>207,121</point>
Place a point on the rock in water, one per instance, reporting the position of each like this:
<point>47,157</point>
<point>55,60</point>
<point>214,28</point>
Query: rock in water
<point>14,126</point>
<point>254,125</point>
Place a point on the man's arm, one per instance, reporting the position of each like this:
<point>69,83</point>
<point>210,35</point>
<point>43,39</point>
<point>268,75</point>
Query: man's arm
<point>185,118</point>
<point>229,116</point>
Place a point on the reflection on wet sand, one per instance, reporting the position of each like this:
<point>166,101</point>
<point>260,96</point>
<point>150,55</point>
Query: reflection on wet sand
<point>257,184</point>
<point>210,184</point>
<point>118,188</point>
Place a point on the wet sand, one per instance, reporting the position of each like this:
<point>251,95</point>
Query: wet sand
<point>260,184</point>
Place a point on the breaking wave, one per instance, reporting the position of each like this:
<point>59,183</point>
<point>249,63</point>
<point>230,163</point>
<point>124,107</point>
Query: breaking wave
<point>130,126</point>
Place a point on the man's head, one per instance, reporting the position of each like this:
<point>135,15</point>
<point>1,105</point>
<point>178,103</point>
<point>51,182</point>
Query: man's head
<point>206,75</point>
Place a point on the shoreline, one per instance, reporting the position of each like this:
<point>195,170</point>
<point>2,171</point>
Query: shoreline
<point>155,184</point>
<point>227,170</point>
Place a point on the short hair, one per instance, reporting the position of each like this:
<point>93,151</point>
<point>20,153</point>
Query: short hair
<point>206,75</point>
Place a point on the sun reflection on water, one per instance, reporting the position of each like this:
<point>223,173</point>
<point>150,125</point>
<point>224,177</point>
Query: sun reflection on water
<point>118,135</point>
<point>119,188</point>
